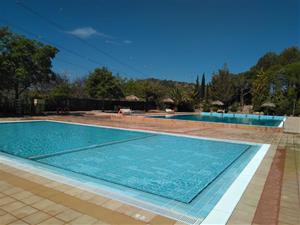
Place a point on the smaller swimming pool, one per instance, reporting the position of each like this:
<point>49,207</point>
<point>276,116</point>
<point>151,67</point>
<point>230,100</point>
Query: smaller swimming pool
<point>246,119</point>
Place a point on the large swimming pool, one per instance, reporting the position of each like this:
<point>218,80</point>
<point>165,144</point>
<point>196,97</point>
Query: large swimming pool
<point>246,119</point>
<point>168,171</point>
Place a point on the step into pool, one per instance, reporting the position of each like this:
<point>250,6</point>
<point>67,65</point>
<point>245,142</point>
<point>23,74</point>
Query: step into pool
<point>172,172</point>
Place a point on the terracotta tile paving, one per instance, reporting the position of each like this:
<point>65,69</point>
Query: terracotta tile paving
<point>267,211</point>
<point>30,199</point>
<point>290,198</point>
<point>66,208</point>
<point>52,221</point>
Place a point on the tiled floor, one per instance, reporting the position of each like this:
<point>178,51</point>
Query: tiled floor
<point>30,199</point>
<point>33,202</point>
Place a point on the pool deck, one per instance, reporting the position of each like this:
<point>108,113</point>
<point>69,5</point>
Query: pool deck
<point>272,197</point>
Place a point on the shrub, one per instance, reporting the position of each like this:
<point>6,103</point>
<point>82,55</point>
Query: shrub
<point>234,107</point>
<point>206,107</point>
<point>185,106</point>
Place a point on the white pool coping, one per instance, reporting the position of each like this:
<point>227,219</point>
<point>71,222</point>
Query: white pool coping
<point>224,208</point>
<point>218,215</point>
<point>282,122</point>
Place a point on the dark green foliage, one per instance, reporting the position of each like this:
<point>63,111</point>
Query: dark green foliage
<point>202,89</point>
<point>78,89</point>
<point>24,62</point>
<point>296,108</point>
<point>182,99</point>
<point>260,89</point>
<point>289,55</point>
<point>102,84</point>
<point>268,60</point>
<point>178,95</point>
<point>278,80</point>
<point>61,91</point>
<point>234,107</point>
<point>185,106</point>
<point>197,91</point>
<point>242,87</point>
<point>206,106</point>
<point>222,88</point>
<point>134,87</point>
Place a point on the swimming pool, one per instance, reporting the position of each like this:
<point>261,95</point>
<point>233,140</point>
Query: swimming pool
<point>174,175</point>
<point>246,119</point>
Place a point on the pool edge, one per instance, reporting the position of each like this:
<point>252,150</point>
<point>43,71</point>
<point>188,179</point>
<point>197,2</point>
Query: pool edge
<point>226,205</point>
<point>220,211</point>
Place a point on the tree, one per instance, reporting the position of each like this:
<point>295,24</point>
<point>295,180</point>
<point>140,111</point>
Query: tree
<point>78,88</point>
<point>62,89</point>
<point>266,61</point>
<point>134,87</point>
<point>202,89</point>
<point>154,92</point>
<point>242,87</point>
<point>24,62</point>
<point>222,86</point>
<point>181,100</point>
<point>197,91</point>
<point>260,89</point>
<point>178,95</point>
<point>287,80</point>
<point>289,55</point>
<point>102,84</point>
<point>292,72</point>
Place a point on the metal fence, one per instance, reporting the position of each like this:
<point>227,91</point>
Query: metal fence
<point>26,106</point>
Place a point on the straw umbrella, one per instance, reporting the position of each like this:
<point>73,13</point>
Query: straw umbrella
<point>132,98</point>
<point>217,103</point>
<point>168,101</point>
<point>268,105</point>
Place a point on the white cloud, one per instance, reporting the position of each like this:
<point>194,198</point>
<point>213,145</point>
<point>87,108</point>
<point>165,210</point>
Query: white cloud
<point>112,42</point>
<point>127,42</point>
<point>86,32</point>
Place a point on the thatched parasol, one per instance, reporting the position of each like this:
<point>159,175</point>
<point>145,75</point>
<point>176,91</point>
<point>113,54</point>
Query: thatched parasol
<point>132,98</point>
<point>168,100</point>
<point>268,105</point>
<point>218,103</point>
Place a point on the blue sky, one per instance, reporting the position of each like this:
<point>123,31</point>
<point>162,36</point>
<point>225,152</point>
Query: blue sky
<point>167,39</point>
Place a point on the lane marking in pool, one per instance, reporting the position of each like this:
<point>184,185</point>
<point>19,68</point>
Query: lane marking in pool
<point>37,157</point>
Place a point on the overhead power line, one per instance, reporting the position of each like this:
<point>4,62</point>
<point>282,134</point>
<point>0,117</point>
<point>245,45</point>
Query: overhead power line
<point>63,29</point>
<point>48,41</point>
<point>73,64</point>
<point>26,31</point>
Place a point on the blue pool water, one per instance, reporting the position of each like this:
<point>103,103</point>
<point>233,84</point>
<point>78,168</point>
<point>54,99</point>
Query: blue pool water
<point>270,121</point>
<point>29,139</point>
<point>186,174</point>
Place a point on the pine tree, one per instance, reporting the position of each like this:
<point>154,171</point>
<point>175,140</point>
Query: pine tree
<point>197,90</point>
<point>202,88</point>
